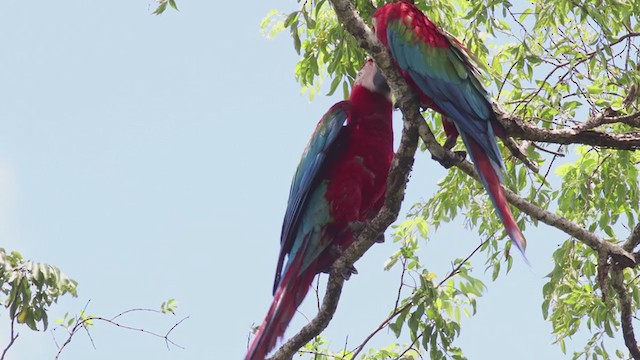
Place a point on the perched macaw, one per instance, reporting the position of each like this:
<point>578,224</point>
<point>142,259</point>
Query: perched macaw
<point>440,70</point>
<point>339,183</point>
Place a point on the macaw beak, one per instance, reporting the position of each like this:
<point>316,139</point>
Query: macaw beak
<point>380,83</point>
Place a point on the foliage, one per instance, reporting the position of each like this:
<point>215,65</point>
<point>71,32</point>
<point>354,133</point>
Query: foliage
<point>162,6</point>
<point>554,64</point>
<point>29,288</point>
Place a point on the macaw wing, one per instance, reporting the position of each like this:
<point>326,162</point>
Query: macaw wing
<point>441,68</point>
<point>306,180</point>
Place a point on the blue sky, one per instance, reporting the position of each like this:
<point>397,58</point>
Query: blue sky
<point>150,158</point>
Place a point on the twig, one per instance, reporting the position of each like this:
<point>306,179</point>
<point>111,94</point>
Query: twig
<point>519,154</point>
<point>84,323</point>
<point>410,346</point>
<point>554,153</point>
<point>13,336</point>
<point>399,310</point>
<point>317,353</point>
<point>404,270</point>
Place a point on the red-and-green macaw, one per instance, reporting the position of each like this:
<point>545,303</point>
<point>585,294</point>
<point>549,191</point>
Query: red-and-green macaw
<point>440,70</point>
<point>339,183</point>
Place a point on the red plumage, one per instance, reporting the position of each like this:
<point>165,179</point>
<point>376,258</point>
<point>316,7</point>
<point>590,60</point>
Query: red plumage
<point>441,71</point>
<point>341,179</point>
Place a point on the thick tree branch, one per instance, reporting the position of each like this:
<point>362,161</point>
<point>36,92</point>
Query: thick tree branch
<point>626,314</point>
<point>582,134</point>
<point>610,117</point>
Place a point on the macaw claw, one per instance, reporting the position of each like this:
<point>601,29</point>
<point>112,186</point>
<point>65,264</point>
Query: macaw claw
<point>351,270</point>
<point>356,227</point>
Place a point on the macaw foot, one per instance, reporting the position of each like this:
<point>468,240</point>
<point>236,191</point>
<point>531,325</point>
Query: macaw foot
<point>351,270</point>
<point>335,252</point>
<point>447,163</point>
<point>356,227</point>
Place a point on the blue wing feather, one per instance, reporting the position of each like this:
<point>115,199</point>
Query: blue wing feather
<point>306,186</point>
<point>445,75</point>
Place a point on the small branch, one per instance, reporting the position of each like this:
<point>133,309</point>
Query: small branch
<point>410,346</point>
<point>404,270</point>
<point>519,153</point>
<point>554,153</point>
<point>135,310</point>
<point>317,353</point>
<point>166,336</point>
<point>12,336</point>
<point>625,312</point>
<point>399,310</point>
<point>633,240</point>
<point>84,323</point>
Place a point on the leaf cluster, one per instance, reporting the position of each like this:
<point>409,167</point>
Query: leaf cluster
<point>29,288</point>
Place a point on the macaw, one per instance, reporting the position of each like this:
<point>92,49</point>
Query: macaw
<point>340,182</point>
<point>439,68</point>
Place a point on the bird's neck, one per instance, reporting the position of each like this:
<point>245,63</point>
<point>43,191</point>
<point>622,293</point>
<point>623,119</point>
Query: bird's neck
<point>366,105</point>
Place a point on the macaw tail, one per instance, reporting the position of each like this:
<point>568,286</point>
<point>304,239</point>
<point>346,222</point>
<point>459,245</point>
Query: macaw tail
<point>490,174</point>
<point>288,296</point>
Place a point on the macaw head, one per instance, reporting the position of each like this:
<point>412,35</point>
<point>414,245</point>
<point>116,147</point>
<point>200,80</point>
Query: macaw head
<point>371,78</point>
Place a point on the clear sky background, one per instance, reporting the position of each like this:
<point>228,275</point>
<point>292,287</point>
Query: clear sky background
<point>150,158</point>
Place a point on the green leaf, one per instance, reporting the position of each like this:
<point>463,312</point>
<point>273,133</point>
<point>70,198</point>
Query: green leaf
<point>334,85</point>
<point>296,37</point>
<point>161,8</point>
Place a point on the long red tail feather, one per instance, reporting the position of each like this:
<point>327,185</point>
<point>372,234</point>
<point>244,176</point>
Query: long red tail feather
<point>492,182</point>
<point>290,292</point>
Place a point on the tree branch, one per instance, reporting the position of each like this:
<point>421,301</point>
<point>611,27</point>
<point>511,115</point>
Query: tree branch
<point>84,322</point>
<point>625,312</point>
<point>633,240</point>
<point>582,134</point>
<point>12,338</point>
<point>534,211</point>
